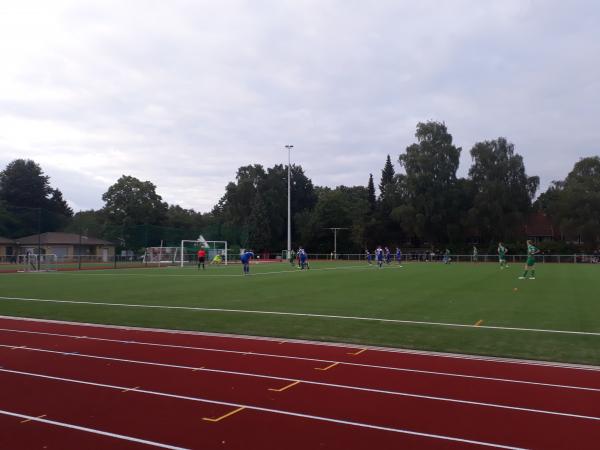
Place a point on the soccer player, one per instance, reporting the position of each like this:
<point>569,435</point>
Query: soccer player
<point>502,250</point>
<point>447,259</point>
<point>388,256</point>
<point>292,257</point>
<point>303,259</point>
<point>379,256</point>
<point>368,255</point>
<point>245,259</point>
<point>475,254</point>
<point>201,258</point>
<point>530,264</point>
<point>399,256</point>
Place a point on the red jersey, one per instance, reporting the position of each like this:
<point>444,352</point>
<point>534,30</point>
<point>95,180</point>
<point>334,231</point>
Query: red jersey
<point>201,254</point>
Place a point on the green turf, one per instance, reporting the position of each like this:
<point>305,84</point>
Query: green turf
<point>563,297</point>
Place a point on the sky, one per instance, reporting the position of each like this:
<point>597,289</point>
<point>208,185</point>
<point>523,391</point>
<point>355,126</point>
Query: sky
<point>182,93</point>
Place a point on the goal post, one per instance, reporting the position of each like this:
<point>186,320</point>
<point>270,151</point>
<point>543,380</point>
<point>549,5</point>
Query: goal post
<point>189,248</point>
<point>32,262</point>
<point>161,255</point>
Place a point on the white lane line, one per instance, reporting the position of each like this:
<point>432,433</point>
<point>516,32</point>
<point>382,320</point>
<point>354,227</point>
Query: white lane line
<point>268,410</point>
<point>494,359</point>
<point>300,358</point>
<point>322,316</point>
<point>89,430</point>
<point>316,383</point>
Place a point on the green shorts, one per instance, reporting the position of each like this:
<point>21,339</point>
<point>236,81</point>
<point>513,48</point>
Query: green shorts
<point>530,261</point>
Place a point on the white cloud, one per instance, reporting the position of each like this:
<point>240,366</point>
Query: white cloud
<point>182,93</point>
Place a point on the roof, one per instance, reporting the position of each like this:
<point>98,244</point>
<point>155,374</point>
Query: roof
<point>61,238</point>
<point>4,240</point>
<point>539,225</point>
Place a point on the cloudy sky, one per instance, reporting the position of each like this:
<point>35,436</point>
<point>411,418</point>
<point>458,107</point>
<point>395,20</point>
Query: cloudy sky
<point>182,93</point>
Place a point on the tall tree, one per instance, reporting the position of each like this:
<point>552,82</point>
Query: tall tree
<point>430,164</point>
<point>32,204</point>
<point>259,232</point>
<point>23,183</point>
<point>503,190</point>
<point>387,176</point>
<point>371,193</point>
<point>575,202</point>
<point>131,201</point>
<point>236,207</point>
<point>346,207</point>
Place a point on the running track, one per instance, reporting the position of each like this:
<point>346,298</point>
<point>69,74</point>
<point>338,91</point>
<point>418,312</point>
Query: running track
<point>77,386</point>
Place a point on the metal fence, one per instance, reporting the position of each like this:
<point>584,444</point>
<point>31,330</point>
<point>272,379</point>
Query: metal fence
<point>233,257</point>
<point>91,262</point>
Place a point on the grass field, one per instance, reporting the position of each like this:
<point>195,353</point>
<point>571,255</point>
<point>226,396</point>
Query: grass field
<point>564,297</point>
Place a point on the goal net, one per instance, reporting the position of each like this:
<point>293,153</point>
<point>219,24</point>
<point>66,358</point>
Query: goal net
<point>38,263</point>
<point>216,251</point>
<point>161,255</point>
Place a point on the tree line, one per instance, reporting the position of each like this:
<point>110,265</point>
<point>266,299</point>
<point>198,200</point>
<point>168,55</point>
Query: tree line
<point>425,205</point>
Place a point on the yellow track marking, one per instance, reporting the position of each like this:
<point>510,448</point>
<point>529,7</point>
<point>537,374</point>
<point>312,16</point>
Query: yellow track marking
<point>29,420</point>
<point>285,387</point>
<point>328,367</point>
<point>479,322</point>
<point>130,389</point>
<point>358,352</point>
<point>231,413</point>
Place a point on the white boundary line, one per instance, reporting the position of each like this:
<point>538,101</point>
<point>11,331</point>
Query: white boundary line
<point>112,272</point>
<point>317,383</point>
<point>268,410</point>
<point>268,355</point>
<point>89,430</point>
<point>322,316</point>
<point>493,359</point>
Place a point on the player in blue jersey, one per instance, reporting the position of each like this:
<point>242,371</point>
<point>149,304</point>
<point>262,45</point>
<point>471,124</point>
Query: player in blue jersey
<point>388,255</point>
<point>245,259</point>
<point>379,256</point>
<point>399,256</point>
<point>368,256</point>
<point>303,259</point>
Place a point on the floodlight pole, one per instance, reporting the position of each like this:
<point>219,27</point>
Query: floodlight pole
<point>335,230</point>
<point>289,204</point>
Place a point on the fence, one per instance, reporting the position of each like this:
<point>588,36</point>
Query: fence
<point>84,262</point>
<point>91,262</point>
<point>233,257</point>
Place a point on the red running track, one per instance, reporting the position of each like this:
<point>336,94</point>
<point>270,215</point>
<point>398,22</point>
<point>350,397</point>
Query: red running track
<point>78,386</point>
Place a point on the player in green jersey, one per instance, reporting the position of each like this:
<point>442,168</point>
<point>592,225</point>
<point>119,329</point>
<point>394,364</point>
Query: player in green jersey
<point>530,264</point>
<point>502,255</point>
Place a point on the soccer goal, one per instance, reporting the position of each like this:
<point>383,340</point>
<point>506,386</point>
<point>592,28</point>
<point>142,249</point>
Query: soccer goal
<point>38,263</point>
<point>216,251</point>
<point>161,256</point>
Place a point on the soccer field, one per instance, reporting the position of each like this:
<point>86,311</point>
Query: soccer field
<point>465,308</point>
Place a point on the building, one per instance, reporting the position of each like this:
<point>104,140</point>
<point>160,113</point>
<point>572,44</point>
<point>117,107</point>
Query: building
<point>539,228</point>
<point>8,248</point>
<point>65,245</point>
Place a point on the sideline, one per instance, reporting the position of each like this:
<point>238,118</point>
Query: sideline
<point>322,316</point>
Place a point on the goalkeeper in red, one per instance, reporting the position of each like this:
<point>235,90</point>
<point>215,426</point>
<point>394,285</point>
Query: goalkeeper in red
<point>530,264</point>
